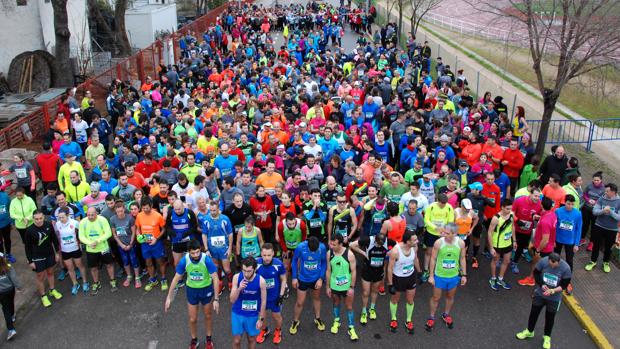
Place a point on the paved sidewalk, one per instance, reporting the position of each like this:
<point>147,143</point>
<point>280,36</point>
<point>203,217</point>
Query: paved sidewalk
<point>598,294</point>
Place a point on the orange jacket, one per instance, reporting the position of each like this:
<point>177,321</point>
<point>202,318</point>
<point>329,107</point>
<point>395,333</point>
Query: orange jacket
<point>515,162</point>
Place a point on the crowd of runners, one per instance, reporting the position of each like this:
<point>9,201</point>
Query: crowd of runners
<point>277,172</point>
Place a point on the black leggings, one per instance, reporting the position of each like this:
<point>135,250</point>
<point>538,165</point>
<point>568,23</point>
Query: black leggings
<point>549,317</point>
<point>5,239</point>
<point>588,221</point>
<point>523,241</point>
<point>605,237</point>
<point>7,300</point>
<point>569,252</point>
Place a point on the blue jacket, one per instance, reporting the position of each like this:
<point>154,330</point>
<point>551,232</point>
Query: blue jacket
<point>72,148</point>
<point>568,226</point>
<point>5,202</point>
<point>308,266</point>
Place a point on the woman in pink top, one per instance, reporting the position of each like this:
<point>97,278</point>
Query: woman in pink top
<point>481,167</point>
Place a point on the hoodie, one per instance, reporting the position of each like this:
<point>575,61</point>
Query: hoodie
<point>49,164</point>
<point>604,220</point>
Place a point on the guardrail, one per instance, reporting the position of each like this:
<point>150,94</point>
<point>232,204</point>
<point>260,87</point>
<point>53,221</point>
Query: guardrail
<point>583,132</point>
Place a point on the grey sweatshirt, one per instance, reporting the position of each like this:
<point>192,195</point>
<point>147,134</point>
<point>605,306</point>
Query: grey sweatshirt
<point>607,221</point>
<point>9,281</point>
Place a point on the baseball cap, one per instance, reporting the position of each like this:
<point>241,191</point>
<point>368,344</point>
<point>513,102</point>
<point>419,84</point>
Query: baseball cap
<point>466,203</point>
<point>268,124</point>
<point>475,186</point>
<point>467,129</point>
<point>463,163</point>
<point>444,138</point>
<point>281,146</point>
<point>426,171</point>
<point>302,124</point>
<point>386,79</point>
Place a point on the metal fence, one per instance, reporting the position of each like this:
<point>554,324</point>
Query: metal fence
<point>583,132</point>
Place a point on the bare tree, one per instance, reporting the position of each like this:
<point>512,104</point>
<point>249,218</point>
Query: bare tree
<point>118,33</point>
<point>581,36</point>
<point>389,6</point>
<point>419,8</point>
<point>62,47</point>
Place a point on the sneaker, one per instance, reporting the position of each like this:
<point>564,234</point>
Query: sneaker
<point>582,242</point>
<point>113,286</point>
<point>261,336</point>
<point>430,323</point>
<point>364,318</point>
<point>150,285</point>
<point>277,336</point>
<point>94,289</point>
<point>335,326</point>
<point>46,301</point>
<point>590,266</point>
<point>606,267</point>
<point>138,283</point>
<point>447,319</point>
<point>78,274</point>
<point>527,281</point>
<point>514,267</point>
<point>409,327</point>
<point>62,275</point>
<point>85,287</point>
<point>127,281</point>
<point>164,285</point>
<point>208,343</point>
<point>425,276</point>
<point>546,342</point>
<point>352,334</point>
<point>589,248</point>
<point>493,284</point>
<point>12,260</point>
<point>503,284</point>
<point>382,290</point>
<point>487,255</point>
<point>527,256</point>
<point>393,325</point>
<point>474,263</point>
<point>11,334</point>
<point>372,314</point>
<point>293,329</point>
<point>57,295</point>
<point>525,334</point>
<point>194,344</point>
<point>75,289</point>
<point>319,324</point>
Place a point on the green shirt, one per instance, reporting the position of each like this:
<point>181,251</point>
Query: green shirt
<point>448,259</point>
<point>340,277</point>
<point>391,193</point>
<point>198,275</point>
<point>95,232</point>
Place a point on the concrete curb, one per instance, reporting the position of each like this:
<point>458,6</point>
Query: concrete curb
<point>586,321</point>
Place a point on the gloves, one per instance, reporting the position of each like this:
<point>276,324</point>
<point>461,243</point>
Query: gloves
<point>392,289</point>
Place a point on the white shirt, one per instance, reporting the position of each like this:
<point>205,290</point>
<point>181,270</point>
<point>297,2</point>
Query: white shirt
<point>67,235</point>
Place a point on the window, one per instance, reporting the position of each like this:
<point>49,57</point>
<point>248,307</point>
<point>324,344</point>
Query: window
<point>22,2</point>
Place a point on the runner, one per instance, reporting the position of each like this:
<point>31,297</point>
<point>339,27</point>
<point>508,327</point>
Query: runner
<point>542,245</point>
<point>249,302</point>
<point>70,250</point>
<point>217,239</point>
<point>374,249</point>
<point>501,242</point>
<point>341,275</point>
<point>315,213</point>
<point>478,204</point>
<point>568,232</point>
<point>552,276</point>
<point>607,213</point>
<point>273,272</point>
<point>465,219</point>
<point>402,278</point>
<point>150,231</point>
<point>42,254</point>
<point>94,232</point>
<point>395,226</point>
<point>182,226</point>
<point>249,240</point>
<point>437,214</point>
<point>375,212</point>
<point>448,270</point>
<point>124,232</point>
<point>291,232</point>
<point>9,284</point>
<point>527,210</point>
<point>308,272</point>
<point>202,280</point>
<point>341,220</point>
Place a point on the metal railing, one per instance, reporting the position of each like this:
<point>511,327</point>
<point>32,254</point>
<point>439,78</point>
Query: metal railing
<point>583,132</point>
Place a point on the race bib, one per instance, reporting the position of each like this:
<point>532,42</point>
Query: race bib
<point>271,283</point>
<point>218,241</point>
<point>196,276</point>
<point>342,232</point>
<point>121,231</point>
<point>21,173</point>
<point>565,225</point>
<point>2,209</point>
<point>376,261</point>
<point>449,264</point>
<point>508,236</point>
<point>341,280</point>
<point>315,223</point>
<point>526,224</point>
<point>311,265</point>
<point>408,269</point>
<point>248,305</point>
<point>378,220</point>
<point>551,279</point>
<point>68,240</point>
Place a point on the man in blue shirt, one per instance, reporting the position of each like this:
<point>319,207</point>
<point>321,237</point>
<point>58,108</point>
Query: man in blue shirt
<point>217,236</point>
<point>225,163</point>
<point>69,147</point>
<point>308,271</point>
<point>568,232</point>
<point>503,182</point>
<point>248,298</point>
<point>273,271</point>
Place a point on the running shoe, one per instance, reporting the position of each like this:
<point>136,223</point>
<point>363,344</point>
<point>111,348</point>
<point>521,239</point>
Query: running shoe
<point>85,287</point>
<point>164,285</point>
<point>75,289</point>
<point>582,242</point>
<point>372,314</point>
<point>493,284</point>
<point>590,266</point>
<point>474,263</point>
<point>546,342</point>
<point>569,289</point>
<point>527,281</point>
<point>319,324</point>
<point>138,283</point>
<point>46,301</point>
<point>335,326</point>
<point>151,284</point>
<point>527,255</point>
<point>525,334</point>
<point>94,289</point>
<point>62,275</point>
<point>503,284</point>
<point>447,319</point>
<point>606,267</point>
<point>514,267</point>
<point>11,334</point>
<point>78,274</point>
<point>127,281</point>
<point>12,260</point>
<point>364,318</point>
<point>293,329</point>
<point>54,293</point>
<point>590,246</point>
<point>382,290</point>
<point>352,334</point>
<point>393,325</point>
<point>261,336</point>
<point>277,336</point>
<point>208,343</point>
<point>409,327</point>
<point>113,286</point>
<point>425,276</point>
<point>430,323</point>
<point>194,344</point>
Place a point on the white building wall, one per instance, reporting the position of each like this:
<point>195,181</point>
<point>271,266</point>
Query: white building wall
<point>21,31</point>
<point>143,22</point>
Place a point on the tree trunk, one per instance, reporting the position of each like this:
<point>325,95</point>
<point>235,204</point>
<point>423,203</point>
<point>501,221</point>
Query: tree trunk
<point>120,34</point>
<point>399,32</point>
<point>62,48</point>
<point>550,99</point>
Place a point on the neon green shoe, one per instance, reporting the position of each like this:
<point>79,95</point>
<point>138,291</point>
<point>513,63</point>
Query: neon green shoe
<point>372,314</point>
<point>320,325</point>
<point>46,301</point>
<point>164,285</point>
<point>590,266</point>
<point>546,342</point>
<point>352,334</point>
<point>57,295</point>
<point>293,329</point>
<point>606,267</point>
<point>364,318</point>
<point>335,326</point>
<point>150,285</point>
<point>525,334</point>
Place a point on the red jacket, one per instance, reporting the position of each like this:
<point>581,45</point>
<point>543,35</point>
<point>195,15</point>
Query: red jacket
<point>491,192</point>
<point>48,163</point>
<point>147,170</point>
<point>515,162</point>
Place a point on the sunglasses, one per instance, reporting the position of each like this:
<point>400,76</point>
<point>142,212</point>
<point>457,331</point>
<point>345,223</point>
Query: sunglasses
<point>342,202</point>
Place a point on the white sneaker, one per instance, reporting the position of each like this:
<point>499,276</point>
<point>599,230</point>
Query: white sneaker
<point>11,334</point>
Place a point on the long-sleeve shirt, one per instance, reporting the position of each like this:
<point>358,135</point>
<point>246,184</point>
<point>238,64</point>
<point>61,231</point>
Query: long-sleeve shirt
<point>65,171</point>
<point>604,220</point>
<point>95,232</point>
<point>40,242</point>
<point>568,226</point>
<point>308,266</point>
<point>9,281</point>
<point>21,209</point>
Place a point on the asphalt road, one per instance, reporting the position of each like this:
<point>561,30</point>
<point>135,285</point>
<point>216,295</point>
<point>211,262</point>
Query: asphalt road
<point>132,318</point>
